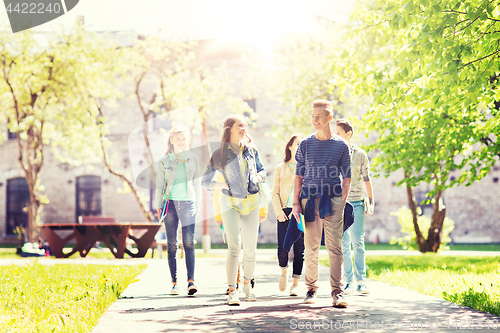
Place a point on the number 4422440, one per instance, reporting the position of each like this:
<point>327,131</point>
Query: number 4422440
<point>34,8</point>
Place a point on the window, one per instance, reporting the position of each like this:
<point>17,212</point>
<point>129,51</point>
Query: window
<point>420,195</point>
<point>88,196</point>
<point>11,135</point>
<point>161,119</point>
<point>18,198</point>
<point>251,103</point>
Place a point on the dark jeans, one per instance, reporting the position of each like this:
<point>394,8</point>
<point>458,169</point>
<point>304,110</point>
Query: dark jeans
<point>185,212</point>
<point>298,248</point>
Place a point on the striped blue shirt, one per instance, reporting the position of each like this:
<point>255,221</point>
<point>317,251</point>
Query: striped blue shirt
<point>312,157</point>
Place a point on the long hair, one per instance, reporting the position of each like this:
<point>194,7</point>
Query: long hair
<point>288,153</point>
<point>173,132</point>
<point>227,124</point>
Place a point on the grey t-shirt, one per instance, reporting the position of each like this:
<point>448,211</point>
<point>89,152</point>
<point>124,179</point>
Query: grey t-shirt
<point>360,172</point>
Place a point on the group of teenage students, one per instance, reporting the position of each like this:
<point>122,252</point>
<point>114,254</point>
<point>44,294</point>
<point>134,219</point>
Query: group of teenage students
<point>314,180</point>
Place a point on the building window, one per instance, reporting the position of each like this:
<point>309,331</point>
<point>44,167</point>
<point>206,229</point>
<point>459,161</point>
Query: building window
<point>161,120</point>
<point>420,195</point>
<point>251,103</point>
<point>18,198</point>
<point>88,196</point>
<point>11,135</point>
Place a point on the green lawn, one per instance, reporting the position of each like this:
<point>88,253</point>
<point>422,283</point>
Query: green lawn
<point>470,281</point>
<point>59,298</point>
<point>9,251</point>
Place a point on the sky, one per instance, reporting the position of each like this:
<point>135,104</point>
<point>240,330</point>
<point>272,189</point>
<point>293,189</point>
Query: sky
<point>198,19</point>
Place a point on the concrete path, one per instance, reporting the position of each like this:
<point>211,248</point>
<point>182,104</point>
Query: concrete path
<point>146,306</point>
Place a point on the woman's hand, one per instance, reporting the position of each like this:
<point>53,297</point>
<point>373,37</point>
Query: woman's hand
<point>159,214</point>
<point>297,209</point>
<point>281,217</point>
<point>221,186</point>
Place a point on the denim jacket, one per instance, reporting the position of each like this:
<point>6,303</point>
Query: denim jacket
<point>232,174</point>
<point>165,177</point>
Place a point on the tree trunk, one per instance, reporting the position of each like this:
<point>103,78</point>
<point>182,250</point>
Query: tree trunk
<point>437,222</point>
<point>147,214</point>
<point>32,231</point>
<point>422,244</point>
<point>31,162</point>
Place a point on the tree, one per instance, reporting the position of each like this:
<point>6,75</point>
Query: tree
<point>433,72</point>
<point>48,85</point>
<point>302,68</point>
<point>166,76</point>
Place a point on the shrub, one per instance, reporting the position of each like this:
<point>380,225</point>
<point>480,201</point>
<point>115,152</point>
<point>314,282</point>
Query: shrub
<point>409,240</point>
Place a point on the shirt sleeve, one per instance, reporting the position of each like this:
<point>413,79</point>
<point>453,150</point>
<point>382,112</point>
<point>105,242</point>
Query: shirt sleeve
<point>277,204</point>
<point>300,158</point>
<point>365,168</point>
<point>160,184</point>
<point>197,184</point>
<point>261,171</point>
<point>217,212</point>
<point>345,162</point>
<point>207,181</point>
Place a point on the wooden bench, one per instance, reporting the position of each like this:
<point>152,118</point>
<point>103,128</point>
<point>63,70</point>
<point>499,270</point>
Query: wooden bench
<point>96,219</point>
<point>92,229</point>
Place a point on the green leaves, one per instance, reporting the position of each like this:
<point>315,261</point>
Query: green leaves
<point>434,72</point>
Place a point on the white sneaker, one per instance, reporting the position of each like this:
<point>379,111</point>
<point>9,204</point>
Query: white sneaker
<point>362,289</point>
<point>282,284</point>
<point>349,289</point>
<point>233,298</point>
<point>175,290</point>
<point>249,295</point>
<point>293,290</point>
<point>339,301</point>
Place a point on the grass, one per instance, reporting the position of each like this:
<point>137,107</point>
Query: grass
<point>8,251</point>
<point>59,298</point>
<point>469,281</point>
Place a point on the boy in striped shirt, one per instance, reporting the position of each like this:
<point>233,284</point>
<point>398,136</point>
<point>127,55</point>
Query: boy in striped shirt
<point>320,195</point>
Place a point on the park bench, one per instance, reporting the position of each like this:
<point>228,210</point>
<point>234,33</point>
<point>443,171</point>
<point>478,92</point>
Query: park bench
<point>105,229</point>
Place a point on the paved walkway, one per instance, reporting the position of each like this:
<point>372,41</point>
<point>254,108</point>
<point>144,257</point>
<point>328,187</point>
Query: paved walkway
<point>146,306</point>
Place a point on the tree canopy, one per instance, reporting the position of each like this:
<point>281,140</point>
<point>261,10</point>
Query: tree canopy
<point>48,86</point>
<point>432,69</point>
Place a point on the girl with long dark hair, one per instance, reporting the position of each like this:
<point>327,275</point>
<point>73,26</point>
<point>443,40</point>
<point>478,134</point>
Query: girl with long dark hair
<point>242,195</point>
<point>283,205</point>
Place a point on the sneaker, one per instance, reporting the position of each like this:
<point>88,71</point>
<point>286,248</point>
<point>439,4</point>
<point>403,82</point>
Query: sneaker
<point>349,289</point>
<point>233,299</point>
<point>249,295</point>
<point>293,290</point>
<point>339,301</point>
<point>175,290</point>
<point>362,289</point>
<point>282,284</point>
<point>310,297</point>
<point>192,288</point>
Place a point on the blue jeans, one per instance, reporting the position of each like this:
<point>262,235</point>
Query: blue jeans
<point>298,248</point>
<point>184,211</point>
<point>357,233</point>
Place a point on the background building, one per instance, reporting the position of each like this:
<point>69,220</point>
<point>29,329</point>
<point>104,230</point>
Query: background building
<point>92,190</point>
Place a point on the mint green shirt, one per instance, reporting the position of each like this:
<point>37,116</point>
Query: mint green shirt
<point>179,189</point>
